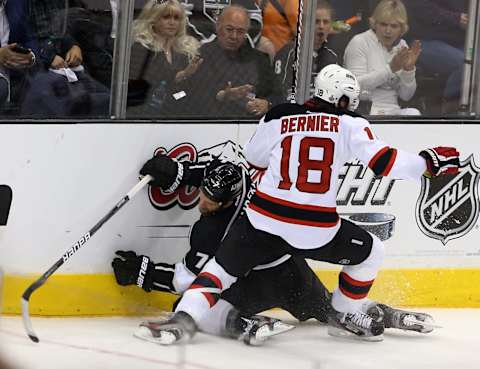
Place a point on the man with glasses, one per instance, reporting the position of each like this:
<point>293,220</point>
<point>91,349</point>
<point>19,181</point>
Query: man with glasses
<point>234,79</point>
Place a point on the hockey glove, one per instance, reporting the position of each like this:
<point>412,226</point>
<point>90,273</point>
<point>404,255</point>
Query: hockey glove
<point>167,172</point>
<point>440,160</point>
<point>130,268</point>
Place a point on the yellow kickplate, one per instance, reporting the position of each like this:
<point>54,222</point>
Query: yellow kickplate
<point>98,294</point>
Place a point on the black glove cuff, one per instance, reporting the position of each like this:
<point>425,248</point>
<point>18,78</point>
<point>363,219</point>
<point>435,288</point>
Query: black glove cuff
<point>142,273</point>
<point>178,179</point>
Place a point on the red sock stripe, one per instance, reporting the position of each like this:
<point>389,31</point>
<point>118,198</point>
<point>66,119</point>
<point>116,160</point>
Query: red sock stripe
<point>353,296</point>
<point>213,278</point>
<point>352,288</point>
<point>354,282</point>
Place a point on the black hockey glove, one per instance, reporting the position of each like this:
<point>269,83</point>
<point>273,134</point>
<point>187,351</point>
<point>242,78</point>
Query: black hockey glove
<point>130,268</point>
<point>440,160</point>
<point>167,172</point>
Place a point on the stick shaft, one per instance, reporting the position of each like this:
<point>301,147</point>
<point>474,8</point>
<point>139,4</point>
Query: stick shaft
<point>71,251</point>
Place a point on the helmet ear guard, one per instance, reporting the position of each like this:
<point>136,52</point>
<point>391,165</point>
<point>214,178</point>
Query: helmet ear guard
<point>333,82</point>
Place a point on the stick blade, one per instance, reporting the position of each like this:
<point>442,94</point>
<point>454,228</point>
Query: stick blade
<point>27,322</point>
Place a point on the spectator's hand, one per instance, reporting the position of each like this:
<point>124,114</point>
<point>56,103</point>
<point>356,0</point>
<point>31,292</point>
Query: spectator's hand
<point>74,56</point>
<point>412,55</point>
<point>11,59</point>
<point>190,70</point>
<point>257,107</point>
<point>399,59</point>
<point>58,62</point>
<point>463,20</point>
<point>237,93</point>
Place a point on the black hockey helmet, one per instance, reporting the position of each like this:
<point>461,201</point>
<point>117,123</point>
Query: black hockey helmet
<point>223,183</point>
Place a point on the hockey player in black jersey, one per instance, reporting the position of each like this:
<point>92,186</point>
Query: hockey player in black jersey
<point>288,283</point>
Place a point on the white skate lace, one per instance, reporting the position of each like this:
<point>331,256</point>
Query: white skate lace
<point>361,320</point>
<point>409,320</point>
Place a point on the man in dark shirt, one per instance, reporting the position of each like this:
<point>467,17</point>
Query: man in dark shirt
<point>322,54</point>
<point>440,26</point>
<point>234,79</point>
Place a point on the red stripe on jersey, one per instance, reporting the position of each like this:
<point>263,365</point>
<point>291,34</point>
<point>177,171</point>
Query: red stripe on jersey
<point>255,166</point>
<point>387,170</point>
<point>353,296</point>
<point>372,161</point>
<point>212,277</point>
<point>211,300</point>
<point>311,223</point>
<point>354,282</point>
<point>295,205</point>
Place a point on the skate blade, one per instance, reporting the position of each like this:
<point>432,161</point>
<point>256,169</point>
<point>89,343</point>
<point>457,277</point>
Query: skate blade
<point>164,338</point>
<point>342,333</point>
<point>427,326</point>
<point>280,327</point>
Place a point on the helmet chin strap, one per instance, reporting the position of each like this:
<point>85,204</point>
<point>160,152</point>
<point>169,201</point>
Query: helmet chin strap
<point>343,102</point>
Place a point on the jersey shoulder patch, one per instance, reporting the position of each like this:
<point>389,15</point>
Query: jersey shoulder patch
<point>284,109</point>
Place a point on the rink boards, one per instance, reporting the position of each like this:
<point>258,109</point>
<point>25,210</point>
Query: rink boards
<point>64,178</point>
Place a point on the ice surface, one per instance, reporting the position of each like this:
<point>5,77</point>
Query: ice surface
<point>104,343</point>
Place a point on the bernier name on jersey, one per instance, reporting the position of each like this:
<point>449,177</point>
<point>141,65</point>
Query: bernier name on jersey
<point>310,123</point>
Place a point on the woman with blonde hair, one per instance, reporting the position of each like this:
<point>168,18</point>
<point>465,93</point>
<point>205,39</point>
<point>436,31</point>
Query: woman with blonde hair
<point>163,57</point>
<point>383,62</point>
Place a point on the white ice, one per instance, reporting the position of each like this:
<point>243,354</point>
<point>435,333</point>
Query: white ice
<point>104,343</point>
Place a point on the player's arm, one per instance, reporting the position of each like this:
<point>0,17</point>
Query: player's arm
<point>132,269</point>
<point>385,160</point>
<point>169,173</point>
<point>257,149</point>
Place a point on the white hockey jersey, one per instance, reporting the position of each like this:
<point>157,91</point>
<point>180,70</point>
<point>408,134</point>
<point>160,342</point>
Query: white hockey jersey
<point>302,148</point>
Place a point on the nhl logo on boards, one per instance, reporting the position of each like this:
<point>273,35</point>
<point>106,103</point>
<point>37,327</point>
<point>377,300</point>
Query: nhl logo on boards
<point>447,207</point>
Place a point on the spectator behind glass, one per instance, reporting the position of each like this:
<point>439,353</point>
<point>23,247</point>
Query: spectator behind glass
<point>63,88</point>
<point>234,80</point>
<point>383,62</point>
<point>322,54</point>
<point>280,19</point>
<point>163,58</point>
<point>441,25</point>
<point>15,63</point>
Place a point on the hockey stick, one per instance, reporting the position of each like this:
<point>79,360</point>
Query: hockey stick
<point>69,253</point>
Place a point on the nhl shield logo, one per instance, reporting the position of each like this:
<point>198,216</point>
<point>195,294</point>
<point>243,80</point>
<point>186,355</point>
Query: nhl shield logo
<point>447,207</point>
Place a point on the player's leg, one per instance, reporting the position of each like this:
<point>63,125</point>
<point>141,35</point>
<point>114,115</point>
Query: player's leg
<point>243,248</point>
<point>362,254</point>
<point>301,293</point>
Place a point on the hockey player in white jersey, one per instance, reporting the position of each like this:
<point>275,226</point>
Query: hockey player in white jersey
<point>302,148</point>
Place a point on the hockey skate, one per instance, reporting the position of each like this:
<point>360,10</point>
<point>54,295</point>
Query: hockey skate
<point>180,327</point>
<point>402,319</point>
<point>255,330</point>
<point>354,325</point>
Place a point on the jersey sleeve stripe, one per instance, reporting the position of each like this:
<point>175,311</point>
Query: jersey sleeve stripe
<point>382,162</point>
<point>387,170</point>
<point>377,156</point>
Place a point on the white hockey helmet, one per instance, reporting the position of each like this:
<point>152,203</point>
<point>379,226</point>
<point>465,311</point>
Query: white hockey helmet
<point>334,82</point>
